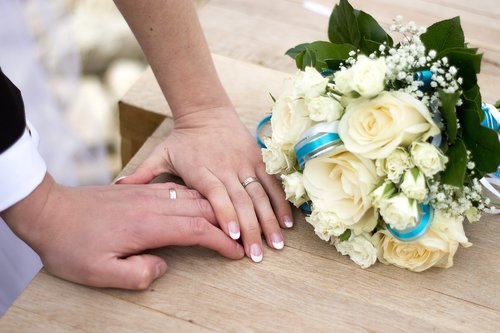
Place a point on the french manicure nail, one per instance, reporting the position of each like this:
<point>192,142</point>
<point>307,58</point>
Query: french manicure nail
<point>234,230</point>
<point>277,241</point>
<point>288,221</point>
<point>256,253</point>
<point>158,270</point>
<point>119,178</point>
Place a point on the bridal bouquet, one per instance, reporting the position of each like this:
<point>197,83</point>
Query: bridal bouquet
<point>384,145</point>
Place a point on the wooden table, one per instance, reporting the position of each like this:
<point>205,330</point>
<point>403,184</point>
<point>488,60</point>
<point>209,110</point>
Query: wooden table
<point>307,287</point>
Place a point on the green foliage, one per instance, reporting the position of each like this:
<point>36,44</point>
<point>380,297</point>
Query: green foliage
<point>454,174</point>
<point>355,27</point>
<point>321,55</point>
<point>444,35</point>
<point>448,111</point>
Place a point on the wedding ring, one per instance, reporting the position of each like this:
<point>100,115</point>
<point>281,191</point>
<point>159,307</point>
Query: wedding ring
<point>249,180</point>
<point>172,193</point>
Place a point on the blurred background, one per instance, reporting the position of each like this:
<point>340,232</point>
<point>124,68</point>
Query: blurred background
<point>72,60</point>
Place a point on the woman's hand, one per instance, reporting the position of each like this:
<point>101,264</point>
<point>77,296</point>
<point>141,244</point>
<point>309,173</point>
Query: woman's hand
<point>214,153</point>
<point>96,235</point>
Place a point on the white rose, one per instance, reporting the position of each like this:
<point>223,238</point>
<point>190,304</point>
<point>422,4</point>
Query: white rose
<point>290,119</point>
<point>384,191</point>
<point>341,183</point>
<point>451,226</point>
<point>326,224</point>
<point>294,188</point>
<point>399,211</point>
<point>359,248</point>
<point>432,249</point>
<point>324,108</point>
<point>394,165</point>
<point>413,185</point>
<point>275,159</point>
<point>368,76</point>
<point>429,159</point>
<point>343,79</point>
<point>375,127</point>
<point>309,83</point>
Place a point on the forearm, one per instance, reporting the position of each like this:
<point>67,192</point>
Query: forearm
<point>173,42</point>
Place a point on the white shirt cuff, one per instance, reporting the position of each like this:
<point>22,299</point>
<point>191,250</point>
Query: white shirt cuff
<point>22,169</point>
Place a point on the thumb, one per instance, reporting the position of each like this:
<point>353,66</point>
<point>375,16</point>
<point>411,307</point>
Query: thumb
<point>136,272</point>
<point>153,166</point>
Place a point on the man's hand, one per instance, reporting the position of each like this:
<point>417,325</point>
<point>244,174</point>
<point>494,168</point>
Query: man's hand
<point>96,235</point>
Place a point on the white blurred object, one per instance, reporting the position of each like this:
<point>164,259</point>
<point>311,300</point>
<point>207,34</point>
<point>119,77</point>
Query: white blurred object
<point>102,35</point>
<point>316,7</point>
<point>121,74</point>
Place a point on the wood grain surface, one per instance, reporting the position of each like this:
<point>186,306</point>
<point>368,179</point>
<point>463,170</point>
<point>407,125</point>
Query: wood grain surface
<point>308,286</point>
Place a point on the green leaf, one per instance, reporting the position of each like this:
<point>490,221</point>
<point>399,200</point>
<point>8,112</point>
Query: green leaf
<point>350,26</point>
<point>294,51</point>
<point>497,104</point>
<point>454,174</point>
<point>371,31</point>
<point>317,54</point>
<point>472,102</point>
<point>468,66</point>
<point>343,27</point>
<point>449,113</point>
<point>346,235</point>
<point>481,141</point>
<point>444,35</point>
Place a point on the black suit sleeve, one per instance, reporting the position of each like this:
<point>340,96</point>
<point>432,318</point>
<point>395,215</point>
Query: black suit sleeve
<point>12,117</point>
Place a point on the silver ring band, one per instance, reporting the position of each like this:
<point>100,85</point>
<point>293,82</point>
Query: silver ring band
<point>249,181</point>
<point>172,193</point>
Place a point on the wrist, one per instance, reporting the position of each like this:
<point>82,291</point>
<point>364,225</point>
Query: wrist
<point>23,218</point>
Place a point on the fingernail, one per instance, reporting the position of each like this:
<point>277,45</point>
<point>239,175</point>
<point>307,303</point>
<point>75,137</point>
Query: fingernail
<point>256,253</point>
<point>234,230</point>
<point>277,241</point>
<point>288,221</point>
<point>159,269</point>
<point>119,178</point>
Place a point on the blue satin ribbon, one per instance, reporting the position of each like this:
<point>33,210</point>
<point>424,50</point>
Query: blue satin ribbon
<point>327,72</point>
<point>413,233</point>
<point>312,146</point>
<point>306,208</point>
<point>488,120</point>
<point>424,76</point>
<point>261,124</point>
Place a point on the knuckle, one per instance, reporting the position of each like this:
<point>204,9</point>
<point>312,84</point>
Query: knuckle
<point>204,206</point>
<point>242,198</point>
<point>198,226</point>
<point>253,228</point>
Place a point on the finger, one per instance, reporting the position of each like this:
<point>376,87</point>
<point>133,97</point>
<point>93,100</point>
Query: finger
<point>277,198</point>
<point>249,225</point>
<point>214,190</point>
<point>188,208</point>
<point>185,231</point>
<point>153,166</point>
<point>265,215</point>
<point>135,272</point>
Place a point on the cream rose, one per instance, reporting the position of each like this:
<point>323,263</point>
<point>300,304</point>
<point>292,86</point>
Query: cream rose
<point>413,185</point>
<point>374,128</point>
<point>366,77</point>
<point>276,159</point>
<point>382,192</point>
<point>429,250</point>
<point>326,224</point>
<point>324,108</point>
<point>308,83</point>
<point>429,159</point>
<point>290,119</point>
<point>294,188</point>
<point>341,183</point>
<point>436,248</point>
<point>395,165</point>
<point>359,248</point>
<point>399,211</point>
